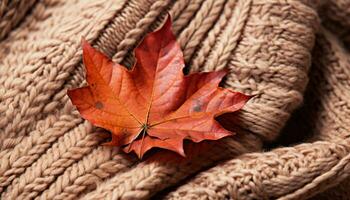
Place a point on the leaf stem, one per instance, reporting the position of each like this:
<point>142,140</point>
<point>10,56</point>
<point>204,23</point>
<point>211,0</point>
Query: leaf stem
<point>143,137</point>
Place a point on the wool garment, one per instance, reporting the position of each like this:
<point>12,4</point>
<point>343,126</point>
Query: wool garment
<point>292,139</point>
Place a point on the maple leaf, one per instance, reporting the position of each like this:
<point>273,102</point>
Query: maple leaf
<point>154,104</point>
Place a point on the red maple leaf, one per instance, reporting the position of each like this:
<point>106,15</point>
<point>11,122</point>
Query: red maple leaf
<point>154,104</point>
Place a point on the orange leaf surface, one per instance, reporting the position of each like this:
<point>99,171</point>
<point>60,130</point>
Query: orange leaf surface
<point>154,104</point>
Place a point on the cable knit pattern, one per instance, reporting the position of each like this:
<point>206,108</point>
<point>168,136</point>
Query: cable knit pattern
<point>47,151</point>
<point>263,176</point>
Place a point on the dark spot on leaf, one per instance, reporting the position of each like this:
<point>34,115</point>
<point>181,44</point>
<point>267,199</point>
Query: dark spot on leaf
<point>197,106</point>
<point>99,105</point>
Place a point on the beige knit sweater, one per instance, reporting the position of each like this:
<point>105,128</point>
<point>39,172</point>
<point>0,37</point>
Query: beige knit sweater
<point>290,53</point>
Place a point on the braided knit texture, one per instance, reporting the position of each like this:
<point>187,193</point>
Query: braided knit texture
<point>277,50</point>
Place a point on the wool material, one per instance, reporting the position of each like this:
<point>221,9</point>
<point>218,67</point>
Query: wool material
<point>278,50</point>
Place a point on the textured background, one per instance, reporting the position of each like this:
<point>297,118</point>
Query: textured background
<point>49,152</point>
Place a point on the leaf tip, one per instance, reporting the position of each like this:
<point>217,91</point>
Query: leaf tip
<point>166,27</point>
<point>226,70</point>
<point>138,153</point>
<point>223,72</point>
<point>140,156</point>
<point>71,94</point>
<point>85,44</point>
<point>182,153</point>
<point>168,20</point>
<point>180,150</point>
<point>248,97</point>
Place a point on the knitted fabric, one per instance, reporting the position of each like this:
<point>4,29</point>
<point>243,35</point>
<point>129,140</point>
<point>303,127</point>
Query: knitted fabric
<point>277,50</point>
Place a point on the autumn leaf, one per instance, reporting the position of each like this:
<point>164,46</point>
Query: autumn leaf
<point>154,104</point>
